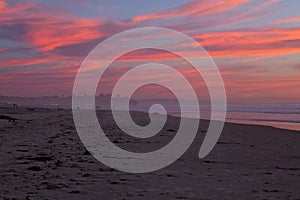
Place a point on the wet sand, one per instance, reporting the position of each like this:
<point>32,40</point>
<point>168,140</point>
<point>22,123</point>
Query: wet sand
<point>42,157</point>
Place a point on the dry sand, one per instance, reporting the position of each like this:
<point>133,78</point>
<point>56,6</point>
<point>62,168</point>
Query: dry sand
<point>42,157</point>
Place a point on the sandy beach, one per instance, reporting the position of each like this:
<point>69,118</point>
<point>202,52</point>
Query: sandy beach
<point>42,157</point>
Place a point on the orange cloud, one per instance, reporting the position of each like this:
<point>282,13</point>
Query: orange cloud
<point>6,12</point>
<point>48,29</point>
<point>194,8</point>
<point>256,44</point>
<point>287,20</point>
<point>24,62</point>
<point>244,37</point>
<point>52,34</point>
<point>267,90</point>
<point>251,42</point>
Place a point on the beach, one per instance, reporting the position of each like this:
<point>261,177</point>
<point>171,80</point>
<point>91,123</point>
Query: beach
<point>42,157</point>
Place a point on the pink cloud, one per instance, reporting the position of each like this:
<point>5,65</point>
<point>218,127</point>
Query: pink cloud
<point>194,8</point>
<point>287,20</point>
<point>251,42</point>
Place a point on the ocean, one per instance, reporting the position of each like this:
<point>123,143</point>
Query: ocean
<point>286,116</point>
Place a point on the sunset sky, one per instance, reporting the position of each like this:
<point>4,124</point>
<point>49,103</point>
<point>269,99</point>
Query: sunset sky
<point>255,44</point>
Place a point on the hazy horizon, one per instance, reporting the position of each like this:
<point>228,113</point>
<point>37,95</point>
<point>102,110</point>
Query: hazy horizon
<point>149,99</point>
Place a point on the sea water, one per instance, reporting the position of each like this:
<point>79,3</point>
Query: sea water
<point>286,116</point>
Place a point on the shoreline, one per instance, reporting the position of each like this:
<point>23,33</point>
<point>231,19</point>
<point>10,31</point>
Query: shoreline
<point>293,126</point>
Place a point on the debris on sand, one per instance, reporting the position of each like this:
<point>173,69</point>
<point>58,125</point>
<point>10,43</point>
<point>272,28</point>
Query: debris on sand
<point>8,118</point>
<point>35,168</point>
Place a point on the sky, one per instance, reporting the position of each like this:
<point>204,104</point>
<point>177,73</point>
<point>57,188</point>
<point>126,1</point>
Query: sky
<point>254,43</point>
